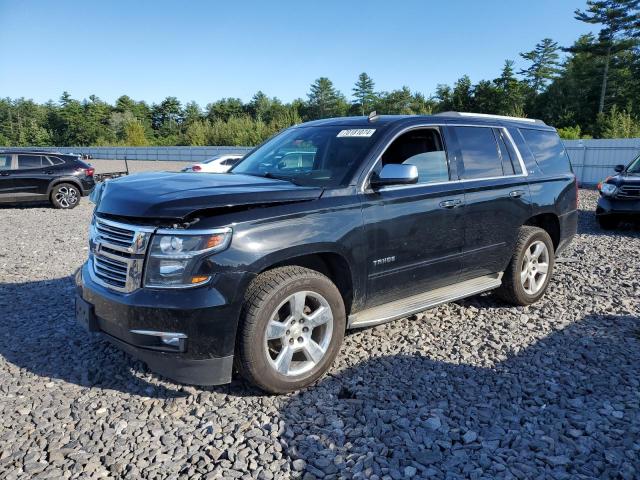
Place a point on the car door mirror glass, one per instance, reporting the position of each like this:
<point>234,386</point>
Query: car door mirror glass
<point>395,174</point>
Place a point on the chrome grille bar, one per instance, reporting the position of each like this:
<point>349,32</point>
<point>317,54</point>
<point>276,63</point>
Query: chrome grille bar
<point>118,253</point>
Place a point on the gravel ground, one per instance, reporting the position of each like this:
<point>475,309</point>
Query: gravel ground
<point>473,389</point>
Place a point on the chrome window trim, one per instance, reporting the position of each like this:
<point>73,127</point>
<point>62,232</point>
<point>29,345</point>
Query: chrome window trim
<point>505,130</point>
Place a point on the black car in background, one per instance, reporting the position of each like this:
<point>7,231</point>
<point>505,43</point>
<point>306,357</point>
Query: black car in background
<point>265,267</point>
<point>28,176</point>
<point>620,196</point>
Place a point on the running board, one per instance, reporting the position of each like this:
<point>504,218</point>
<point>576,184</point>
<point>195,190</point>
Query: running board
<point>417,303</point>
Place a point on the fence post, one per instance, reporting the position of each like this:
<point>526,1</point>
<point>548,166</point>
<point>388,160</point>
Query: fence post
<point>584,163</point>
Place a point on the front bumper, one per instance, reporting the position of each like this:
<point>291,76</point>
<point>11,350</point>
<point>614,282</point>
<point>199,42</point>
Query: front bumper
<point>613,206</point>
<point>207,317</point>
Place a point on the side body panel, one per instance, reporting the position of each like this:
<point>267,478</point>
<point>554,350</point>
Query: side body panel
<point>413,243</point>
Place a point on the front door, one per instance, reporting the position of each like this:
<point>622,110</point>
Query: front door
<point>414,233</point>
<point>6,180</point>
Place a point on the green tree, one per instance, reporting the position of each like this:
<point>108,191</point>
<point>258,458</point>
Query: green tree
<point>510,92</point>
<point>364,93</point>
<point>134,134</point>
<point>324,100</point>
<point>620,20</point>
<point>618,124</point>
<point>545,64</point>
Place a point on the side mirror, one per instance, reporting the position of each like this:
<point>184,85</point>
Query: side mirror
<point>619,168</point>
<point>395,174</point>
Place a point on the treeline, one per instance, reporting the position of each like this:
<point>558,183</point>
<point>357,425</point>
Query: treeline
<point>589,89</point>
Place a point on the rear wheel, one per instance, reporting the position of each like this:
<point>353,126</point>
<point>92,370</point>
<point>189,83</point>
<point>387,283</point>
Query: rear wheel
<point>608,222</point>
<point>527,277</point>
<point>65,196</point>
<point>292,326</point>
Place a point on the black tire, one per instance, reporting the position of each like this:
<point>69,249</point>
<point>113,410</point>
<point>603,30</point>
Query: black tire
<point>263,299</point>
<point>512,289</point>
<point>65,196</point>
<point>608,222</point>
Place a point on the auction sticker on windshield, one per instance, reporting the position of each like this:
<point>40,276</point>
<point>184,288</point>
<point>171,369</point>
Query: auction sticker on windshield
<point>357,132</point>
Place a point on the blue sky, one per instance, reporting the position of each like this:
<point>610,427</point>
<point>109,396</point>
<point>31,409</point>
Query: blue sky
<point>206,50</point>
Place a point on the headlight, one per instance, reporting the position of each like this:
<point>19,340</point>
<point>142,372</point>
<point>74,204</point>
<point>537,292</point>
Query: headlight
<point>608,189</point>
<point>174,256</point>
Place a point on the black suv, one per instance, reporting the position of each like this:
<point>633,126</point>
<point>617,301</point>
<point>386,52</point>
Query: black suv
<point>620,196</point>
<point>27,176</point>
<point>264,268</point>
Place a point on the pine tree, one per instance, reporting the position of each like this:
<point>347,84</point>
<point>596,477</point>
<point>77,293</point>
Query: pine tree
<point>545,64</point>
<point>364,93</point>
<point>620,20</point>
<point>324,100</point>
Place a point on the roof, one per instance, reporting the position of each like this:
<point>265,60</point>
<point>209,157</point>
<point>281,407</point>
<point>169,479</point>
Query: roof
<point>452,117</point>
<point>34,152</point>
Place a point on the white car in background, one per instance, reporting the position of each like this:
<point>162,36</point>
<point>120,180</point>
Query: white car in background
<point>217,164</point>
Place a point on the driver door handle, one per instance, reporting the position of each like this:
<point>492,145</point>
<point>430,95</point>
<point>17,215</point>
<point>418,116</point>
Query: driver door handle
<point>452,203</point>
<point>516,193</point>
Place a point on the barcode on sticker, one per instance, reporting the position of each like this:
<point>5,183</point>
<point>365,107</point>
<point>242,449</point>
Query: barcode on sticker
<point>357,132</point>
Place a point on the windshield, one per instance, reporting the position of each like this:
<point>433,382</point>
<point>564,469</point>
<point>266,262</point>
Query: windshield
<point>635,166</point>
<point>319,156</point>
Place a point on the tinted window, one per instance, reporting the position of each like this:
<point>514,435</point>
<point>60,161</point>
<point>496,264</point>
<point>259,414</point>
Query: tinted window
<point>325,156</point>
<point>5,162</point>
<point>547,150</point>
<point>507,160</point>
<point>422,148</point>
<point>479,151</point>
<point>29,161</point>
<point>56,160</point>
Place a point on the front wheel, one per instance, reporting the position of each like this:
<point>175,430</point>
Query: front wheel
<point>293,323</point>
<point>527,277</point>
<point>65,196</point>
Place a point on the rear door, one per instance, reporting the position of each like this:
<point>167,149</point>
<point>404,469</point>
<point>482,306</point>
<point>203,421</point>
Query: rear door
<point>497,197</point>
<point>32,176</point>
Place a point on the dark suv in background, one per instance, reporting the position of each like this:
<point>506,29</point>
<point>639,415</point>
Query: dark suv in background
<point>620,196</point>
<point>266,267</point>
<point>28,176</point>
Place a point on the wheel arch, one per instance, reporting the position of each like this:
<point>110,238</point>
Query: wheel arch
<point>332,264</point>
<point>74,181</point>
<point>550,223</point>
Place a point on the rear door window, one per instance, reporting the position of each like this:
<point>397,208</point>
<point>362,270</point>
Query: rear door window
<point>480,155</point>
<point>29,161</point>
<point>547,150</point>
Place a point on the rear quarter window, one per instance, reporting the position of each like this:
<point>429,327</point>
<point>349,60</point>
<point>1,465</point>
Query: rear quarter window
<point>548,151</point>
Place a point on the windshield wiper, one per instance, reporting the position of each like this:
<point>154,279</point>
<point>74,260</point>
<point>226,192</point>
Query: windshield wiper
<point>280,177</point>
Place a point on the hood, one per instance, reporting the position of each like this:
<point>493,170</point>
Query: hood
<point>177,195</point>
<point>625,179</point>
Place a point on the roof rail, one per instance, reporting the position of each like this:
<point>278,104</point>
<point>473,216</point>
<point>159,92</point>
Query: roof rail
<point>486,115</point>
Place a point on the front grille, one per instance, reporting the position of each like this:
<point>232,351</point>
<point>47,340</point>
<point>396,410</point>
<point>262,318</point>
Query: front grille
<point>629,191</point>
<point>118,252</point>
<point>114,235</point>
<point>111,271</point>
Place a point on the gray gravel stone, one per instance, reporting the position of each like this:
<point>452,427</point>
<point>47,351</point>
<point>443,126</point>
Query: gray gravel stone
<point>474,389</point>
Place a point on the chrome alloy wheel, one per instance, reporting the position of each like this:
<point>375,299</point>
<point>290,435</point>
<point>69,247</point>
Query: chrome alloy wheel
<point>535,267</point>
<point>66,196</point>
<point>299,333</point>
